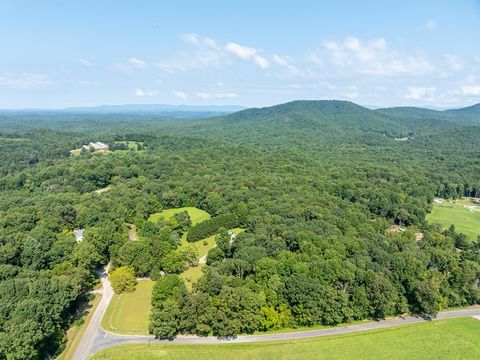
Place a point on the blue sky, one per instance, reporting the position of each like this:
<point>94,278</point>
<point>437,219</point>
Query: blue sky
<point>251,53</point>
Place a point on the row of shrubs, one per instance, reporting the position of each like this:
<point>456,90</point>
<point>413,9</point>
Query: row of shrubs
<point>210,227</point>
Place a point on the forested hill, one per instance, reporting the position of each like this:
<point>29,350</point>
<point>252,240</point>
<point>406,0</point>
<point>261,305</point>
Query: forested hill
<point>467,115</point>
<point>324,115</point>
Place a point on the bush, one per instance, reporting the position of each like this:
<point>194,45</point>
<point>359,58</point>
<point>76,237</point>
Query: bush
<point>210,227</point>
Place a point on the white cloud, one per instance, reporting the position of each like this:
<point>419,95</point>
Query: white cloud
<point>374,57</point>
<point>247,53</point>
<point>85,62</point>
<point>286,63</point>
<point>139,92</point>
<point>137,62</point>
<point>419,92</point>
<point>454,61</point>
<point>204,95</point>
<point>26,81</point>
<point>195,39</point>
<point>471,90</point>
<point>431,25</point>
<point>314,58</point>
<point>180,94</point>
<point>227,95</point>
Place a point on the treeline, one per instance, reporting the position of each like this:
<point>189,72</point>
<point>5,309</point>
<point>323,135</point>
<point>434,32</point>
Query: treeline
<point>210,227</point>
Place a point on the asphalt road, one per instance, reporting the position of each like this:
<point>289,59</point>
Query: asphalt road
<point>90,335</point>
<point>95,338</point>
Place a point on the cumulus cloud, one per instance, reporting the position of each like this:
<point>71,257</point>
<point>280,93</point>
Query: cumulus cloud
<point>26,81</point>
<point>374,57</point>
<point>247,53</point>
<point>85,62</point>
<point>180,94</point>
<point>419,92</point>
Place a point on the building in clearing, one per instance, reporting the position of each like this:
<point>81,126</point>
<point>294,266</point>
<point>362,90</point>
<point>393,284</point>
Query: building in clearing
<point>78,234</point>
<point>95,146</point>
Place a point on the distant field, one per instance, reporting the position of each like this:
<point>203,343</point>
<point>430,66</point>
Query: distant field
<point>132,145</point>
<point>129,313</point>
<point>196,215</point>
<point>461,213</point>
<point>445,339</point>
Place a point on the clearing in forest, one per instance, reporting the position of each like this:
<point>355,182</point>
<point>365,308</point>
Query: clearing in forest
<point>196,215</point>
<point>463,213</point>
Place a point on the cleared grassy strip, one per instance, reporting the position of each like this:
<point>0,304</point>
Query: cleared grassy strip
<point>196,215</point>
<point>75,333</point>
<point>459,213</point>
<point>129,313</point>
<point>445,339</point>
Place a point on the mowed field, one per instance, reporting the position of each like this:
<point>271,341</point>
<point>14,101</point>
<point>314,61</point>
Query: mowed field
<point>196,215</point>
<point>445,339</point>
<point>464,214</point>
<point>129,313</point>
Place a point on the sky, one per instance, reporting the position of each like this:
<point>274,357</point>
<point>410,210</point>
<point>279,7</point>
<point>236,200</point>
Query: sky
<point>56,54</point>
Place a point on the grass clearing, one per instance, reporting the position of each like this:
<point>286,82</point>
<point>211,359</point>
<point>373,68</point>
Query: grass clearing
<point>132,145</point>
<point>444,339</point>
<point>193,273</point>
<point>461,213</point>
<point>75,333</point>
<point>129,313</point>
<point>196,215</point>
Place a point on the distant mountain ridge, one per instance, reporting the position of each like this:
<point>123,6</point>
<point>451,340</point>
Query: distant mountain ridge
<point>181,111</point>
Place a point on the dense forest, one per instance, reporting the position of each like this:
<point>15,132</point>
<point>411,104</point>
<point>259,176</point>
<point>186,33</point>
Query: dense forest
<point>316,185</point>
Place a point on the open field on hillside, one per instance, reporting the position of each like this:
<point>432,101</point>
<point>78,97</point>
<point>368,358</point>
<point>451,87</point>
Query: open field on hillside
<point>463,213</point>
<point>129,313</point>
<point>445,339</point>
<point>196,215</point>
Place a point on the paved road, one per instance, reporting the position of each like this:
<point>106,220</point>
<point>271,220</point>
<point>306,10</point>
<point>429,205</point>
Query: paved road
<point>104,339</point>
<point>90,335</point>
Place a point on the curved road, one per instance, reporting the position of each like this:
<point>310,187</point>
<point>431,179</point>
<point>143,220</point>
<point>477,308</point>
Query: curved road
<point>95,338</point>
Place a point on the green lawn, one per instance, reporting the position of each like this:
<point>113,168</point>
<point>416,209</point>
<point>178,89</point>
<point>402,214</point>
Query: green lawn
<point>129,313</point>
<point>466,220</point>
<point>445,339</point>
<point>196,215</point>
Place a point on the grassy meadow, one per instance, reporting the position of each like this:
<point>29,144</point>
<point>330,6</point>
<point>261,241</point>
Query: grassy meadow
<point>461,213</point>
<point>129,313</point>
